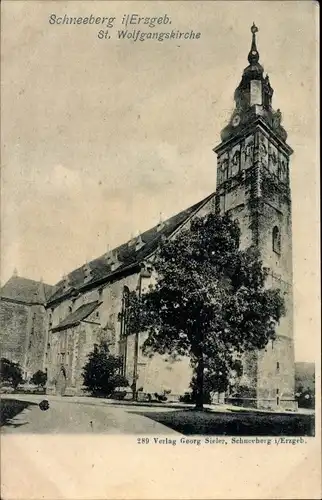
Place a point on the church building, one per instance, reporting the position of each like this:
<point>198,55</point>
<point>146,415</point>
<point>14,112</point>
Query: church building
<point>23,322</point>
<point>253,185</point>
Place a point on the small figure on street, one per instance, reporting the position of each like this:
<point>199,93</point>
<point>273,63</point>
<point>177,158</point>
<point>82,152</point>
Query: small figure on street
<point>44,405</point>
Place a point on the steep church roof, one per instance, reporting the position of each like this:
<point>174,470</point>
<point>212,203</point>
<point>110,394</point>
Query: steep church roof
<point>125,258</point>
<point>26,290</point>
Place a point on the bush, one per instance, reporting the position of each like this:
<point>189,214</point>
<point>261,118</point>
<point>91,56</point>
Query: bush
<point>186,398</point>
<point>305,398</point>
<point>161,398</point>
<point>190,397</point>
<point>243,391</point>
<point>10,372</point>
<point>101,372</point>
<point>39,378</point>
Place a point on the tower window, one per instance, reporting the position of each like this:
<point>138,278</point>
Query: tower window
<point>277,366</point>
<point>276,237</point>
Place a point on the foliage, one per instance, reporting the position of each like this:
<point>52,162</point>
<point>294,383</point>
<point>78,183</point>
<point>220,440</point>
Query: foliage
<point>217,375</point>
<point>305,397</point>
<point>187,398</point>
<point>39,378</point>
<point>161,398</point>
<point>10,372</point>
<point>101,372</point>
<point>243,391</point>
<point>209,301</point>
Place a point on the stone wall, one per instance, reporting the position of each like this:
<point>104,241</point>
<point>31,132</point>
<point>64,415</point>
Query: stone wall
<point>276,374</point>
<point>14,326</point>
<point>23,334</point>
<point>258,195</point>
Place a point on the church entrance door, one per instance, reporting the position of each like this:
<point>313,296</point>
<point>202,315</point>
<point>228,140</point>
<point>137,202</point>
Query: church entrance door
<point>61,382</point>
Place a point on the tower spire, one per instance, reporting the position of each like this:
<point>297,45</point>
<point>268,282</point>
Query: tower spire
<point>253,97</point>
<point>253,56</point>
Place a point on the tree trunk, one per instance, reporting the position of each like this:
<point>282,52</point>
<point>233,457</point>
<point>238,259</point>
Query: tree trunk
<point>199,383</point>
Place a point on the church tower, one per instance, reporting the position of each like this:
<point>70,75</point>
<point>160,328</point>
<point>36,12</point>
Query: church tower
<point>253,185</point>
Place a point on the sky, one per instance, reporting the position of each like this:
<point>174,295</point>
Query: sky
<point>103,137</point>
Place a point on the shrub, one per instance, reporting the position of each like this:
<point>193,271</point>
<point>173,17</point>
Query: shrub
<point>39,378</point>
<point>101,372</point>
<point>10,372</point>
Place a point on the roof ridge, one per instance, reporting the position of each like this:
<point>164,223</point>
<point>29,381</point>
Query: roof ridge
<point>129,256</point>
<point>20,278</point>
<point>194,206</point>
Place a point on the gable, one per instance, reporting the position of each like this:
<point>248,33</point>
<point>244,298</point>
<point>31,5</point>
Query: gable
<point>26,290</point>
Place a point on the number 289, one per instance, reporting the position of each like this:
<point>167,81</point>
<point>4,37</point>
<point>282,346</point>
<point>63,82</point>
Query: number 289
<point>143,440</point>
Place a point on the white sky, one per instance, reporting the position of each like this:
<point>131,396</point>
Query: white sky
<point>99,137</point>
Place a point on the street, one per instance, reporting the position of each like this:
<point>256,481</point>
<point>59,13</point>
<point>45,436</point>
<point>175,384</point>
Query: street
<point>77,415</point>
<point>21,413</point>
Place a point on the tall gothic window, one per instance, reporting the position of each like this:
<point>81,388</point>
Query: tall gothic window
<point>124,328</point>
<point>50,321</point>
<point>276,240</point>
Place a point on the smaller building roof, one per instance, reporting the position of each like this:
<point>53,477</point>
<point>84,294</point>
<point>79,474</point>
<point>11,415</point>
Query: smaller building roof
<point>26,290</point>
<point>76,317</point>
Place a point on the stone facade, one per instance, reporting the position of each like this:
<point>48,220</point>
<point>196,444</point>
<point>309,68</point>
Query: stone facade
<point>23,320</point>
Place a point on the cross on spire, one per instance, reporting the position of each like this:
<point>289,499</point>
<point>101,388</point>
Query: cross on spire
<point>254,29</point>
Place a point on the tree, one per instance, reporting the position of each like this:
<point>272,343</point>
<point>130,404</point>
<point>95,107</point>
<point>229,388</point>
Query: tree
<point>10,372</point>
<point>101,372</point>
<point>209,301</point>
<point>39,378</point>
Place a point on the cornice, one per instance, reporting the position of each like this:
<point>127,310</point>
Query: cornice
<point>257,124</point>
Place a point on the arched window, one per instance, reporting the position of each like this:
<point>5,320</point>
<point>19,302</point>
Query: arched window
<point>235,161</point>
<point>124,324</point>
<point>276,236</point>
<point>125,307</point>
<point>223,170</point>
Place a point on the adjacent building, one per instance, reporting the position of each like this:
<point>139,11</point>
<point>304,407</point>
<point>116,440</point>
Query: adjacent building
<point>23,321</point>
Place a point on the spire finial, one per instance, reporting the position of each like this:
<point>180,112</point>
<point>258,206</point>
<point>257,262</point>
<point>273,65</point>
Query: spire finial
<point>254,29</point>
<point>253,56</point>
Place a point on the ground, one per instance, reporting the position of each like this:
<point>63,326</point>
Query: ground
<point>21,413</point>
<point>65,415</point>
